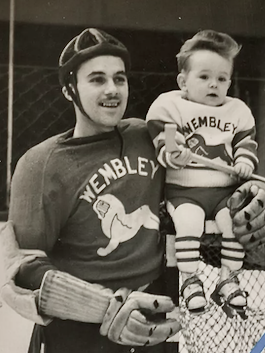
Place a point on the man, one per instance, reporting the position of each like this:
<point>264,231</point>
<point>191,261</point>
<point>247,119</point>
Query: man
<point>83,251</point>
<point>85,206</point>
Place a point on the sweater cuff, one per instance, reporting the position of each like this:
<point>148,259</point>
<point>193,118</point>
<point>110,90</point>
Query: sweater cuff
<point>69,298</point>
<point>246,161</point>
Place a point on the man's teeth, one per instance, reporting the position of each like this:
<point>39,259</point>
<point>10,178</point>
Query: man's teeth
<point>110,105</point>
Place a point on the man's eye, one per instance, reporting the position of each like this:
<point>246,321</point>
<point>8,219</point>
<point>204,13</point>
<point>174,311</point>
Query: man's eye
<point>97,79</point>
<point>120,79</point>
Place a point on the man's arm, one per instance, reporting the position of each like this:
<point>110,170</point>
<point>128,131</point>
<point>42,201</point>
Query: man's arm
<point>30,233</point>
<point>36,216</point>
<point>66,297</point>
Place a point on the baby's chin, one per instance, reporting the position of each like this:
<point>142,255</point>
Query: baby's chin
<point>210,100</point>
<point>210,103</point>
<point>213,101</point>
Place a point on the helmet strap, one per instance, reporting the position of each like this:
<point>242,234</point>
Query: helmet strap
<point>71,87</point>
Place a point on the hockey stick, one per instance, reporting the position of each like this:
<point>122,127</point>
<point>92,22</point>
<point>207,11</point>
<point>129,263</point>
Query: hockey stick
<point>171,146</point>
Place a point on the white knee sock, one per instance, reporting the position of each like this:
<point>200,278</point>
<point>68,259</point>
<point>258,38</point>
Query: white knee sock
<point>232,252</point>
<point>189,224</point>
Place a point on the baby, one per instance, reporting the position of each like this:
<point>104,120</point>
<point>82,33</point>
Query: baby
<point>218,127</point>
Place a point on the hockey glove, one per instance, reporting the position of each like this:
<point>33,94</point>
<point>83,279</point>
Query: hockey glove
<point>247,207</point>
<point>138,319</point>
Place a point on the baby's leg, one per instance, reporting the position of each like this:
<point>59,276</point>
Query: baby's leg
<point>232,255</point>
<point>189,224</point>
<point>188,219</point>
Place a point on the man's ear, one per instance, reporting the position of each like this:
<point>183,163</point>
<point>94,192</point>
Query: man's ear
<point>181,81</point>
<point>66,94</point>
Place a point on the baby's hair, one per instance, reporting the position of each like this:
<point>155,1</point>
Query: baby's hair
<point>217,42</point>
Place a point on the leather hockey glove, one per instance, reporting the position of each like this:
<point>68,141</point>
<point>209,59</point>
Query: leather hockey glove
<point>138,319</point>
<point>247,208</point>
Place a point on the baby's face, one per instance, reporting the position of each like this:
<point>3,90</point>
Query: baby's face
<point>208,78</point>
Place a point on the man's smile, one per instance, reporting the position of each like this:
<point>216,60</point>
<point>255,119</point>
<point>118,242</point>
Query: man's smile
<point>110,103</point>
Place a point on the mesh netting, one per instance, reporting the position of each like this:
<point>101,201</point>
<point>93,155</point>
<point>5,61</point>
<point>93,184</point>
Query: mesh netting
<point>213,331</point>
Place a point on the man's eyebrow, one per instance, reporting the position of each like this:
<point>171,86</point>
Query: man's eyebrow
<point>96,73</point>
<point>121,73</point>
<point>103,73</point>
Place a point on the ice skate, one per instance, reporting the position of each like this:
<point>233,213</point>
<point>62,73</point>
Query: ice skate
<point>193,294</point>
<point>229,295</point>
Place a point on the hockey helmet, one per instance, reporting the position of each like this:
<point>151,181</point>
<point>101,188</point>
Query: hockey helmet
<point>88,44</point>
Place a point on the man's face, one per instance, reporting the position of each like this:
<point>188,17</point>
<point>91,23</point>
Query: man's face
<point>103,89</point>
<point>208,78</point>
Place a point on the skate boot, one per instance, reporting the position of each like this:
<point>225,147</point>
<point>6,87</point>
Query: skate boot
<point>230,297</point>
<point>193,294</point>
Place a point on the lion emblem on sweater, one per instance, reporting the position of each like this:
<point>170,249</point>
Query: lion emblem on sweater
<point>118,225</point>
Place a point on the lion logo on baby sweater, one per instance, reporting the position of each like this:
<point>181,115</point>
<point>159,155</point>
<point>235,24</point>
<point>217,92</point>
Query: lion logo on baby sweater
<point>198,146</point>
<point>119,226</point>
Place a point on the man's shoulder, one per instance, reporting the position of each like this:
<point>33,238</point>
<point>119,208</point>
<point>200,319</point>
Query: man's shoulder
<point>134,129</point>
<point>132,123</point>
<point>41,152</point>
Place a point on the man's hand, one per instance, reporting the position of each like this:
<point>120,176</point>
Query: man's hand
<point>247,207</point>
<point>138,319</point>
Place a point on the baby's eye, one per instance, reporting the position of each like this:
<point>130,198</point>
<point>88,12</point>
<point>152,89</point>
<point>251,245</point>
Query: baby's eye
<point>204,77</point>
<point>222,79</point>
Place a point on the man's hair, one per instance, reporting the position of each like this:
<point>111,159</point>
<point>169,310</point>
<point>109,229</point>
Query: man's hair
<point>217,42</point>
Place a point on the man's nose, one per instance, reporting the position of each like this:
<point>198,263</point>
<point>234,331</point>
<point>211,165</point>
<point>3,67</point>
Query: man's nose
<point>110,87</point>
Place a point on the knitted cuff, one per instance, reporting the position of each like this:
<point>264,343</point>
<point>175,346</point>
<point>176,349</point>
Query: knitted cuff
<point>69,298</point>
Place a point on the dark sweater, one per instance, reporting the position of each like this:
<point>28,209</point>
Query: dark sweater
<point>92,205</point>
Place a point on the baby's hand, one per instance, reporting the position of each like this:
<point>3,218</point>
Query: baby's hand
<point>181,158</point>
<point>243,170</point>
